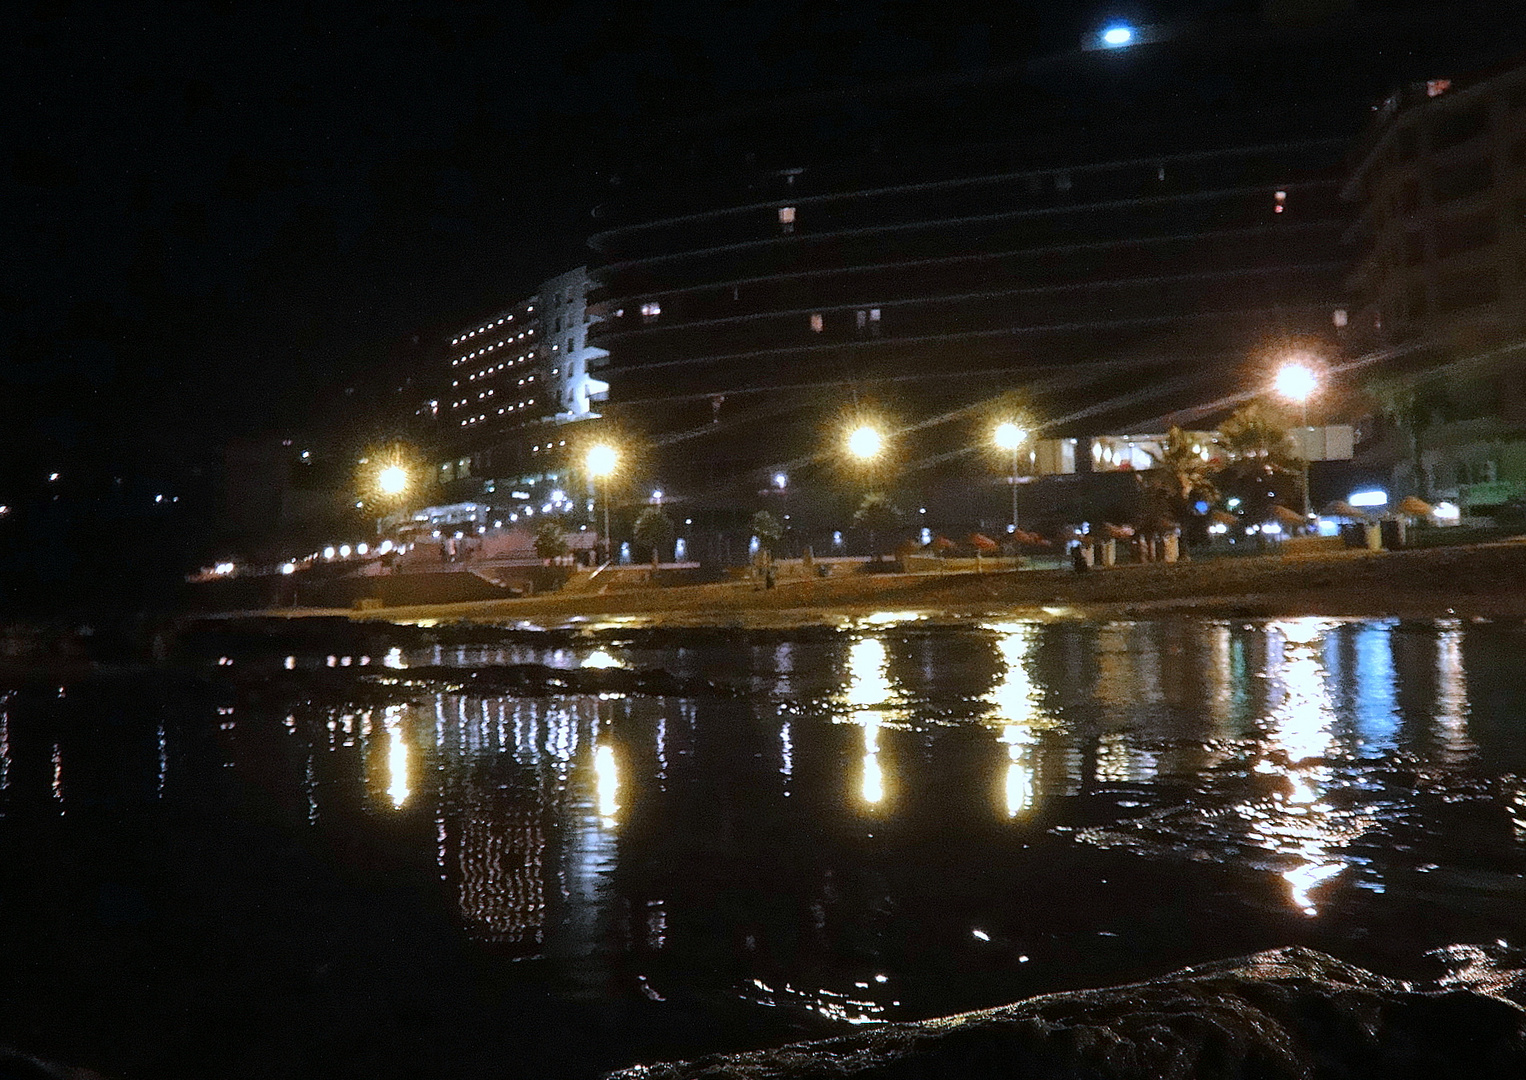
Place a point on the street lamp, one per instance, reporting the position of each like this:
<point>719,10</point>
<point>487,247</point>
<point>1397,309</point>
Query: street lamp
<point>1008,436</point>
<point>1297,383</point>
<point>865,443</point>
<point>601,461</point>
<point>392,481</point>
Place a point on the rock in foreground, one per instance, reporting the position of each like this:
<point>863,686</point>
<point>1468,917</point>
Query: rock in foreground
<point>1278,1015</point>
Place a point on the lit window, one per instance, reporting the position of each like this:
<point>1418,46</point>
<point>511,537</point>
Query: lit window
<point>650,310</point>
<point>817,323</point>
<point>786,215</point>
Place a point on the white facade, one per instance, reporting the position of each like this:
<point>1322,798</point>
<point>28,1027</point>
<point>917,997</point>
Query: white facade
<point>565,320</point>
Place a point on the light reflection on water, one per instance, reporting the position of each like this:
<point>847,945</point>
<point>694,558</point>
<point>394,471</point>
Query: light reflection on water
<point>1102,801</point>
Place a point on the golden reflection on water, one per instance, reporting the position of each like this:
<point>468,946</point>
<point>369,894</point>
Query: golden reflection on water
<point>608,779</point>
<point>1299,824</point>
<point>869,689</point>
<point>868,675</point>
<point>397,758</point>
<point>874,779</point>
<point>1019,742</point>
<point>1452,694</point>
<point>1015,700</point>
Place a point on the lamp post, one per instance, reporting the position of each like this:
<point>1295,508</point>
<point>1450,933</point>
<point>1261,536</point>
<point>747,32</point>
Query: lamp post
<point>392,481</point>
<point>1297,382</point>
<point>389,486</point>
<point>1008,436</point>
<point>601,461</point>
<point>865,444</point>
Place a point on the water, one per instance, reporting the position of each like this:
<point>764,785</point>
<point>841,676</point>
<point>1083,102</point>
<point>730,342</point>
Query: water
<point>302,864</point>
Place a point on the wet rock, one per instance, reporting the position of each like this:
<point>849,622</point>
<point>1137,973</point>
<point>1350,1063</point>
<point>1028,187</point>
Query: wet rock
<point>1286,1014</point>
<point>18,1066</point>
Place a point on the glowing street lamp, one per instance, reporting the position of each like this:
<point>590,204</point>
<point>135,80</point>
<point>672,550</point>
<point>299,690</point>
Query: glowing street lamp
<point>865,443</point>
<point>1298,383</point>
<point>1008,436</point>
<point>392,481</point>
<point>601,462</point>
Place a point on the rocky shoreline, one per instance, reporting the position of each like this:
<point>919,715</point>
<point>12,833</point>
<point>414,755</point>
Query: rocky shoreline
<point>1285,1014</point>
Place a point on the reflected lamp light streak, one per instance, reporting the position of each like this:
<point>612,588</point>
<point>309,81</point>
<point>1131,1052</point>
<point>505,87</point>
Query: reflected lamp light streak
<point>874,780</point>
<point>873,788</point>
<point>1020,786</point>
<point>607,775</point>
<point>1303,826</point>
<point>868,683</point>
<point>1304,879</point>
<point>397,760</point>
<point>1304,716</point>
<point>1452,697</point>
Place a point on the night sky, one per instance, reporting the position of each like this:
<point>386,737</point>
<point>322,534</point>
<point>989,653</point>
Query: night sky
<point>220,210</point>
<point>219,216</point>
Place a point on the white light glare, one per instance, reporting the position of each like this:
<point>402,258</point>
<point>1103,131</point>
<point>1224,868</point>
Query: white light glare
<point>1296,382</point>
<point>393,480</point>
<point>1117,36</point>
<point>1368,498</point>
<point>864,443</point>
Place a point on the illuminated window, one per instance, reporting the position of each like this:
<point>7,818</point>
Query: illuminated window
<point>650,310</point>
<point>817,323</point>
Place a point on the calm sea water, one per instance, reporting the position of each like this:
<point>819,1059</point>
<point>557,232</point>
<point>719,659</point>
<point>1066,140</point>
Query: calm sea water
<point>224,870</point>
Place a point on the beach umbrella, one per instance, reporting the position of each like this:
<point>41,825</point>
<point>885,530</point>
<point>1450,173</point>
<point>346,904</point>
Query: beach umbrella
<point>1342,509</point>
<point>1413,507</point>
<point>981,542</point>
<point>1222,517</point>
<point>1283,516</point>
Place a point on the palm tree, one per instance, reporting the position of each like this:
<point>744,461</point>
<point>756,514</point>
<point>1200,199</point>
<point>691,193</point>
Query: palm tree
<point>550,541</point>
<point>1414,407</point>
<point>875,513</point>
<point>768,529</point>
<point>654,530</point>
<point>1182,477</point>
<point>1262,467</point>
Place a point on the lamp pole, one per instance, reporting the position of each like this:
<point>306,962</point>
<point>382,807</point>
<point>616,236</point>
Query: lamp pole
<point>865,444</point>
<point>1008,436</point>
<point>601,462</point>
<point>1298,382</point>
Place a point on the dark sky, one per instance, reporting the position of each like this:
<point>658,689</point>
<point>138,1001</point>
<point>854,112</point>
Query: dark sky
<point>215,213</point>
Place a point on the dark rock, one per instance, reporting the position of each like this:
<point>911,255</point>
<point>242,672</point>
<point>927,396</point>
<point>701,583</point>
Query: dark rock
<point>18,1066</point>
<point>1286,1014</point>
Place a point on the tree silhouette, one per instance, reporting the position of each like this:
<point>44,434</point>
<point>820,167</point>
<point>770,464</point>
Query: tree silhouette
<point>550,540</point>
<point>768,529</point>
<point>1181,478</point>
<point>1414,407</point>
<point>654,530</point>
<point>1261,467</point>
<point>877,514</point>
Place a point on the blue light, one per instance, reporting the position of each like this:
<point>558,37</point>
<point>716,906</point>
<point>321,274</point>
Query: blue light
<point>1117,36</point>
